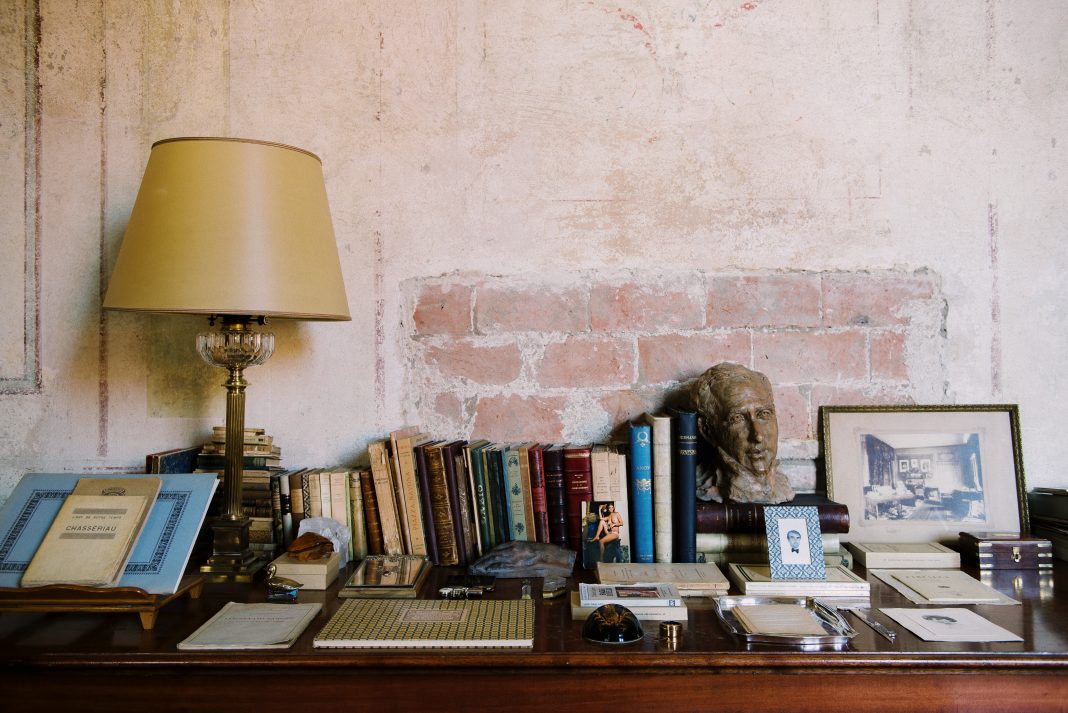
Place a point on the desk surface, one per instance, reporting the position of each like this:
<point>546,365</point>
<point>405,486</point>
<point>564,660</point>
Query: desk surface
<point>107,662</point>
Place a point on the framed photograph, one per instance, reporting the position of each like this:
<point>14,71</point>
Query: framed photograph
<point>795,544</point>
<point>965,470</point>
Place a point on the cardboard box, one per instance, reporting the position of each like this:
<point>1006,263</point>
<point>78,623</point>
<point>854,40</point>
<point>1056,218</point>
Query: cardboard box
<point>316,574</point>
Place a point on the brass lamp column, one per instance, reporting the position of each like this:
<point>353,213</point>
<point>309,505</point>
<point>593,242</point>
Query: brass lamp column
<point>238,231</point>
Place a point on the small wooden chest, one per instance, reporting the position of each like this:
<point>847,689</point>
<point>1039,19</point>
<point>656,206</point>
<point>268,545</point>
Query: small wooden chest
<point>1005,550</point>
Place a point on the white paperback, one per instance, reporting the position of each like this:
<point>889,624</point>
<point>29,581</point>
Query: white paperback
<point>595,595</point>
<point>917,555</point>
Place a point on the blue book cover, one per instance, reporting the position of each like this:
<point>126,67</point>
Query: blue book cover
<point>641,492</point>
<point>685,495</point>
<point>162,551</point>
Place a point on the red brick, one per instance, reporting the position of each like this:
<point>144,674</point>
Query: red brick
<point>587,361</point>
<point>448,406</point>
<point>791,300</point>
<point>873,300</point>
<point>627,404</point>
<point>519,418</point>
<point>792,414</point>
<point>443,309</point>
<point>888,356</point>
<point>811,357</point>
<point>500,309</point>
<point>677,357</point>
<point>482,364</point>
<point>643,308</point>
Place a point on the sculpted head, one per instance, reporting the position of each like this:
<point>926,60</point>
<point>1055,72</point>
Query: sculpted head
<point>736,413</point>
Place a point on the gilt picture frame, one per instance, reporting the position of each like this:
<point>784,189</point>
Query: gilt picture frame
<point>925,473</point>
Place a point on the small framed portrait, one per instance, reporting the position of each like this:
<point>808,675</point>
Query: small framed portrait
<point>795,543</point>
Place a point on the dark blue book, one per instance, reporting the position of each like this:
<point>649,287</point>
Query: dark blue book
<point>684,446</point>
<point>475,464</point>
<point>502,523</point>
<point>641,492</point>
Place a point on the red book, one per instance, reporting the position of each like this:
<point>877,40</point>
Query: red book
<point>537,493</point>
<point>578,485</point>
<point>555,494</point>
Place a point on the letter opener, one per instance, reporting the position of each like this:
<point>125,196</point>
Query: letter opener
<point>865,616</point>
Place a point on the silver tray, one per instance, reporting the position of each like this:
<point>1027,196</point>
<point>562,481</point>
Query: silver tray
<point>838,630</point>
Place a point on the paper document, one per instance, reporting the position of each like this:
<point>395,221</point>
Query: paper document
<point>253,626</point>
<point>778,619</point>
<point>953,624</point>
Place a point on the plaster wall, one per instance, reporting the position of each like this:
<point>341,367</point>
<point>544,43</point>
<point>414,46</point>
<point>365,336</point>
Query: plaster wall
<point>515,143</point>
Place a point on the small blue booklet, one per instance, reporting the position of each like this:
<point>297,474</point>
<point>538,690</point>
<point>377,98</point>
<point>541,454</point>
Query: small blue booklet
<point>162,551</point>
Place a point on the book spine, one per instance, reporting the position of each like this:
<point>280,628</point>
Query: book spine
<point>409,483</point>
<point>749,517</point>
<point>326,500</point>
<point>439,499</point>
<point>476,464</point>
<point>498,494</point>
<point>555,495</point>
<point>685,495</point>
<point>296,499</point>
<point>528,496</point>
<point>468,521</point>
<point>276,507</point>
<point>477,514</point>
<point>359,524</point>
<point>641,493</point>
<point>388,518</point>
<point>313,503</point>
<point>375,545</point>
<point>519,529</point>
<point>458,504</point>
<point>287,508</point>
<point>426,504</point>
<point>663,511</point>
<point>578,484</point>
<point>537,494</point>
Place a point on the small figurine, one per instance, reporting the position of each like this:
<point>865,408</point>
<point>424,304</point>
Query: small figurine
<point>310,546</point>
<point>281,589</point>
<point>736,415</point>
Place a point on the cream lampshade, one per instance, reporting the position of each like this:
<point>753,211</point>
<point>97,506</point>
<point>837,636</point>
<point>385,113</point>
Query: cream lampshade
<point>239,231</point>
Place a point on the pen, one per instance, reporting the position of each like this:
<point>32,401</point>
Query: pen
<point>865,616</point>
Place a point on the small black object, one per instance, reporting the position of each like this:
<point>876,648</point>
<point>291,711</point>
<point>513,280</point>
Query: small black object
<point>612,624</point>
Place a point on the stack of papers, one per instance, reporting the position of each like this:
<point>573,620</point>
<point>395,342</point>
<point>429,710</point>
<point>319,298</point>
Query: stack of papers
<point>941,586</point>
<point>691,579</point>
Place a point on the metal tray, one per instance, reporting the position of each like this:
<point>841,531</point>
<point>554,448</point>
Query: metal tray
<point>838,630</point>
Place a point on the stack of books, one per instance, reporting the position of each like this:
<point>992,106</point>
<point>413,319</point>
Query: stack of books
<point>648,602</point>
<point>735,532</point>
<point>261,486</point>
<point>691,579</point>
<point>841,586</point>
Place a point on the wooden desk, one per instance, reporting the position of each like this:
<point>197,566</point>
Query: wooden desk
<point>79,662</point>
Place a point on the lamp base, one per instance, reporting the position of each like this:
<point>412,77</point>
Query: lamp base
<point>234,560</point>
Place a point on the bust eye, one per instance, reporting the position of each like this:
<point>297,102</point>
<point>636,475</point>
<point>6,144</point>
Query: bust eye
<point>735,418</point>
<point>766,413</point>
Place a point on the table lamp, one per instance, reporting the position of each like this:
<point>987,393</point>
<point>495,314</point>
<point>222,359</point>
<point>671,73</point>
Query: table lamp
<point>239,231</point>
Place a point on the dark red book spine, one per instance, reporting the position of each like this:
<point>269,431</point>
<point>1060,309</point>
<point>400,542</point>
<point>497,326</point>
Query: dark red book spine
<point>578,485</point>
<point>749,517</point>
<point>537,493</point>
<point>555,494</point>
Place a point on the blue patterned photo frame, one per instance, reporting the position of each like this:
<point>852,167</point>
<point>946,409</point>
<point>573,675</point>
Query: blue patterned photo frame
<point>795,544</point>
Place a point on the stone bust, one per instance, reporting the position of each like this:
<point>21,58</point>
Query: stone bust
<point>736,416</point>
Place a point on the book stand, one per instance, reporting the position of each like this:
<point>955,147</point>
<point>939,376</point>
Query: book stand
<point>76,598</point>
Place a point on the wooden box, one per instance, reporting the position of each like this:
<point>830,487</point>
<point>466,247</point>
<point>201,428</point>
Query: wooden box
<point>1001,550</point>
<point>316,574</point>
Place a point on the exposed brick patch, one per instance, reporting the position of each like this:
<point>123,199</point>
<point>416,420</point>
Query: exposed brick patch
<point>443,309</point>
<point>584,361</point>
<point>811,357</point>
<point>871,300</point>
<point>449,406</point>
<point>506,309</point>
<point>643,308</point>
<point>888,356</point>
<point>783,300</point>
<point>512,417</point>
<point>679,357</point>
<point>628,404</point>
<point>480,363</point>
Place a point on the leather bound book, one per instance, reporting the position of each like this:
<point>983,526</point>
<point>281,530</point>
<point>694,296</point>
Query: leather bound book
<point>440,505</point>
<point>370,514</point>
<point>498,494</point>
<point>425,501</point>
<point>555,495</point>
<point>685,483</point>
<point>480,494</point>
<point>537,493</point>
<point>578,485</point>
<point>459,502</point>
<point>749,517</point>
